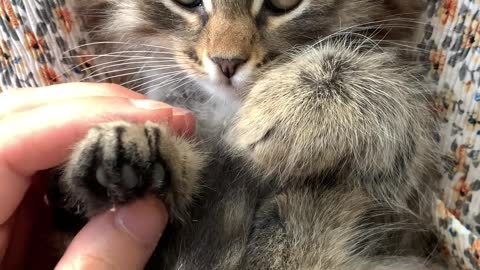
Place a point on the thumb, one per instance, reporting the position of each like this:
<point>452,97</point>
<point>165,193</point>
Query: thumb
<point>124,239</point>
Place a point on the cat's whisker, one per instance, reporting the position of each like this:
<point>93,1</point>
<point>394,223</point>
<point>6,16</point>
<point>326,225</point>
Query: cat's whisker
<point>153,68</point>
<point>186,80</point>
<point>131,63</point>
<point>164,81</point>
<point>94,67</point>
<point>413,21</point>
<point>119,43</point>
<point>405,47</point>
<point>143,78</point>
<point>390,27</point>
<point>114,55</point>
<point>401,16</point>
<point>81,64</point>
<point>96,74</point>
<point>98,56</point>
<point>158,77</point>
<point>171,81</point>
<point>365,40</point>
<point>363,26</point>
<point>398,41</point>
<point>146,54</point>
<point>153,87</point>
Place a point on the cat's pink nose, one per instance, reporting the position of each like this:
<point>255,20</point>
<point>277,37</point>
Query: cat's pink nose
<point>228,66</point>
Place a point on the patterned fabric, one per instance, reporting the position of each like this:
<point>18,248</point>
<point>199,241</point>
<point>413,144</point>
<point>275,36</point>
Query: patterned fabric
<point>36,38</point>
<point>39,46</point>
<point>454,51</point>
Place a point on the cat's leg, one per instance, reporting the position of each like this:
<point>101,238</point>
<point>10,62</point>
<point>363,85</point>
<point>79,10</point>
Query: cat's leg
<point>329,228</point>
<point>118,162</point>
<point>336,108</point>
<point>344,116</point>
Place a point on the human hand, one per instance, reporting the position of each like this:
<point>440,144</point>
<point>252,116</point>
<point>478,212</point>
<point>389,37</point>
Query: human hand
<point>38,129</point>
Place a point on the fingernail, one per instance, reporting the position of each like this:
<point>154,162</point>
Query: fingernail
<point>143,220</point>
<point>183,122</point>
<point>180,111</point>
<point>178,119</point>
<point>149,104</point>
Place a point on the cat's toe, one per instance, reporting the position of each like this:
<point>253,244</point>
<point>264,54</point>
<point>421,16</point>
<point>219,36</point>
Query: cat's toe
<point>117,185</point>
<point>113,165</point>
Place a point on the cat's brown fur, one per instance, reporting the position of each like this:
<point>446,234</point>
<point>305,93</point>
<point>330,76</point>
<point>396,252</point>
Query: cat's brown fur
<point>319,131</point>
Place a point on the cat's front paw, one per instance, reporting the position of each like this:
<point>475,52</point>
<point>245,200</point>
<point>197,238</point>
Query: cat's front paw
<point>331,106</point>
<point>119,162</point>
<point>290,122</point>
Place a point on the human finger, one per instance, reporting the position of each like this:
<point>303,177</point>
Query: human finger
<point>18,100</point>
<point>42,138</point>
<point>120,240</point>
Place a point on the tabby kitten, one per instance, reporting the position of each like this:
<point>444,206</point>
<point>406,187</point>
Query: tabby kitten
<point>315,135</point>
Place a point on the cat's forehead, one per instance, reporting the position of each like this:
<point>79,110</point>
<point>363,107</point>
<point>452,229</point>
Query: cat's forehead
<point>232,7</point>
<point>231,4</point>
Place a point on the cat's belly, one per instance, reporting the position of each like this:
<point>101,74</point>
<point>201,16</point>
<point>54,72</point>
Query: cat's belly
<point>239,226</point>
<point>217,234</point>
<point>236,225</point>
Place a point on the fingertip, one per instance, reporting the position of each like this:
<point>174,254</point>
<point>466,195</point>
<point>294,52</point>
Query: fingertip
<point>143,220</point>
<point>183,122</point>
<point>120,239</point>
<point>149,104</point>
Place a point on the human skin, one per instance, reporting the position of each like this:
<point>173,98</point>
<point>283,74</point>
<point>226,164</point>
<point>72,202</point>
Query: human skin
<point>38,128</point>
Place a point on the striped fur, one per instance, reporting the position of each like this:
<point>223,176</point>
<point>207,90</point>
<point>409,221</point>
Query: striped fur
<point>316,121</point>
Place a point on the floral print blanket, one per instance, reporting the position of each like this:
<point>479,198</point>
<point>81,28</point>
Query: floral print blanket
<point>452,43</point>
<point>40,44</point>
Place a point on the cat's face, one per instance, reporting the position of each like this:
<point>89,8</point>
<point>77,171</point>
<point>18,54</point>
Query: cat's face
<point>223,44</point>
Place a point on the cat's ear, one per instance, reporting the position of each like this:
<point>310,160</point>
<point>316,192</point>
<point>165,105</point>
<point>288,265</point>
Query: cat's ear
<point>92,13</point>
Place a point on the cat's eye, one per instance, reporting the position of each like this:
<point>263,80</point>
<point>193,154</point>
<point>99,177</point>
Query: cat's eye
<point>282,6</point>
<point>189,3</point>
